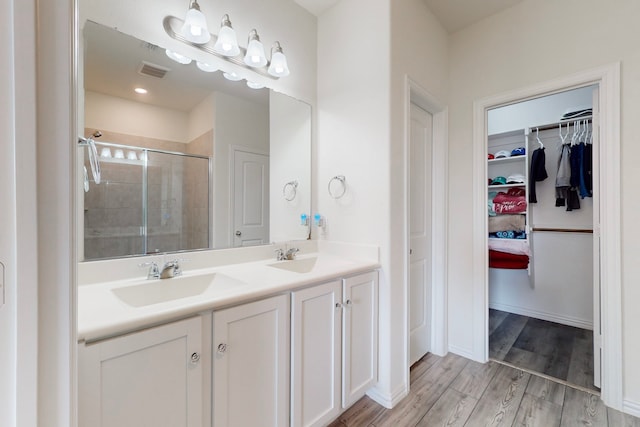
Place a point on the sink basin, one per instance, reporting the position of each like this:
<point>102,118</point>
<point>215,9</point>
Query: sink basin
<point>304,265</point>
<point>151,292</point>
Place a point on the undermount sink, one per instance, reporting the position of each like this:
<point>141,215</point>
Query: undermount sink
<point>304,265</point>
<point>162,290</point>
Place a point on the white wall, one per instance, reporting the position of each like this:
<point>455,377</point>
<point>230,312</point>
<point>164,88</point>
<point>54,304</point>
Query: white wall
<point>290,160</point>
<point>362,60</point>
<point>201,118</point>
<point>135,118</point>
<point>539,111</point>
<point>509,51</point>
<point>242,123</point>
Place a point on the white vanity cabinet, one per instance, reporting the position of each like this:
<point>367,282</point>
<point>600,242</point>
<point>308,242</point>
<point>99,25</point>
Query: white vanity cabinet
<point>251,364</point>
<point>334,347</point>
<point>154,377</point>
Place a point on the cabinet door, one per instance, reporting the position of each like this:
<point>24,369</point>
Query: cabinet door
<point>146,378</point>
<point>316,325</point>
<point>251,364</point>
<point>359,336</point>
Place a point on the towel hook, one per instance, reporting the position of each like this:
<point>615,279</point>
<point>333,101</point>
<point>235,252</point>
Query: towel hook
<point>289,190</point>
<point>336,194</point>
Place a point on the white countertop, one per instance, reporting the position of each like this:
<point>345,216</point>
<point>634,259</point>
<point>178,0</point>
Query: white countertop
<point>102,314</point>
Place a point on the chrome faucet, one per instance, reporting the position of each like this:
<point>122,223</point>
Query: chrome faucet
<point>291,254</point>
<point>171,269</point>
<point>280,256</point>
<point>154,271</point>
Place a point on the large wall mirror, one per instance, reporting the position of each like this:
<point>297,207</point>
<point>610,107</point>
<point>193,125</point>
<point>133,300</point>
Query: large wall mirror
<point>196,162</point>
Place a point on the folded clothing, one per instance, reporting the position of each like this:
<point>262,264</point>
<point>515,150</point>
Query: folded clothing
<point>513,201</point>
<point>498,259</point>
<point>506,222</point>
<point>508,234</point>
<point>510,246</point>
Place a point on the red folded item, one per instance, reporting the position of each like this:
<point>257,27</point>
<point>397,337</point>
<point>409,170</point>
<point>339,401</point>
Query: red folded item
<point>510,206</point>
<point>498,259</point>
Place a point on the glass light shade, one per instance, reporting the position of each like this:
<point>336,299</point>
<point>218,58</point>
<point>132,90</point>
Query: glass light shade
<point>195,28</point>
<point>232,76</point>
<point>227,43</point>
<point>278,66</point>
<point>119,153</point>
<point>206,67</point>
<point>254,85</point>
<point>255,56</point>
<point>178,57</point>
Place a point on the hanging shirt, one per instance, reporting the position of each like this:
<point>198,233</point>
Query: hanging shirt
<point>538,172</point>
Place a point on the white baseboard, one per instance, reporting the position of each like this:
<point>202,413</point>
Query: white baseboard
<point>631,408</point>
<point>551,317</point>
<point>464,353</point>
<point>388,400</point>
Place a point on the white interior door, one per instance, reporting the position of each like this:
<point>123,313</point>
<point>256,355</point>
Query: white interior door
<point>250,198</point>
<point>597,324</point>
<point>420,145</point>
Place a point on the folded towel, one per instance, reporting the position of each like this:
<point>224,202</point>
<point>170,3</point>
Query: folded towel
<point>498,259</point>
<point>506,222</point>
<point>510,246</point>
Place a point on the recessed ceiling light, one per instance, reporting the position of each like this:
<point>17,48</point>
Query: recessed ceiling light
<point>140,90</point>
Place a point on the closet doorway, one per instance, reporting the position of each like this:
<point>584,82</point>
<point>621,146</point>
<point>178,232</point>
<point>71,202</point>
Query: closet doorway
<point>540,240</point>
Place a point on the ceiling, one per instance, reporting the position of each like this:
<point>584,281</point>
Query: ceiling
<point>452,14</point>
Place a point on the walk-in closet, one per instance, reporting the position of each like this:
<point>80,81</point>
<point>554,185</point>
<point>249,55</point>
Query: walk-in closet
<point>540,211</point>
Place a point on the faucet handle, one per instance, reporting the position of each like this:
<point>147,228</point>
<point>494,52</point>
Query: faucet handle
<point>154,271</point>
<point>175,263</point>
<point>280,254</point>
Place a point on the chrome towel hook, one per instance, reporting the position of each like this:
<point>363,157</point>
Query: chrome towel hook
<point>289,190</point>
<point>339,189</point>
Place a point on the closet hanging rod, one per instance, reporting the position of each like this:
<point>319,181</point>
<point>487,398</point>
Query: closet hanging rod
<point>556,124</point>
<point>563,230</point>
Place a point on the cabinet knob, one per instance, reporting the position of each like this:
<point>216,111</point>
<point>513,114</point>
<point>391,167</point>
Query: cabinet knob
<point>347,303</point>
<point>338,305</point>
<point>195,357</point>
<point>222,348</point>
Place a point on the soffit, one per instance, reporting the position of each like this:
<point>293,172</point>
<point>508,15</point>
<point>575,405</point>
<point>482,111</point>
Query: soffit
<point>457,14</point>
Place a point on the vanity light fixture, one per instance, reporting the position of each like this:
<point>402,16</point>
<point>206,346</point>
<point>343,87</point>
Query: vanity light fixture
<point>195,28</point>
<point>254,85</point>
<point>255,51</point>
<point>278,66</point>
<point>178,57</point>
<point>227,43</point>
<point>232,76</point>
<point>208,68</point>
<point>225,46</point>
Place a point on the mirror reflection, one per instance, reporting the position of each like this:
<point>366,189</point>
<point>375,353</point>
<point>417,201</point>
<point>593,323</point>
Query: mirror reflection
<point>189,160</point>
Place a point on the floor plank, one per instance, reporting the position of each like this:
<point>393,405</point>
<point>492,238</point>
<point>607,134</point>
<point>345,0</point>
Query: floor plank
<point>451,410</point>
<point>424,393</point>
<point>474,378</point>
<point>583,409</point>
<point>581,364</point>
<point>502,339</point>
<point>360,414</point>
<point>499,403</point>
<point>495,318</point>
<point>537,412</point>
<point>526,359</point>
<point>422,366</point>
<point>546,389</point>
<point>619,419</point>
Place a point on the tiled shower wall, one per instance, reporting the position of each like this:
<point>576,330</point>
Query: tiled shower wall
<point>177,206</point>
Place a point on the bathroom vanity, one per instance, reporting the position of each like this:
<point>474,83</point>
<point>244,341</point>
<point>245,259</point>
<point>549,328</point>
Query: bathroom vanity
<point>260,343</point>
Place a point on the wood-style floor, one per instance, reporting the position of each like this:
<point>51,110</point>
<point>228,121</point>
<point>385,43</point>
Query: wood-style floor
<point>560,351</point>
<point>454,391</point>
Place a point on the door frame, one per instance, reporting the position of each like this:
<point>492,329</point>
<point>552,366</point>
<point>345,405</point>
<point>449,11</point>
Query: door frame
<point>233,149</point>
<point>416,94</point>
<point>608,80</point>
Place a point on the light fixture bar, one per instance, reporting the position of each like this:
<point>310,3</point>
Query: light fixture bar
<point>173,26</point>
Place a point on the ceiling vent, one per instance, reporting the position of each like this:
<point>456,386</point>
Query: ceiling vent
<point>153,70</point>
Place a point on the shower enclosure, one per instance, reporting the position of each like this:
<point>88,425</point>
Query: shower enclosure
<point>148,201</point>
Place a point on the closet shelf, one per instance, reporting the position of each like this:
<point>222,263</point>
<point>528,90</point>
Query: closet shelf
<point>497,187</point>
<point>513,159</point>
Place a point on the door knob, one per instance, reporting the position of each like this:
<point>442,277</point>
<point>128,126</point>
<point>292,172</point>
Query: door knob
<point>238,233</point>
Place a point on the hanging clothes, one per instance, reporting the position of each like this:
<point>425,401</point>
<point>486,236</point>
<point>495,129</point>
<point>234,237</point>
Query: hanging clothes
<point>538,172</point>
<point>566,195</point>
